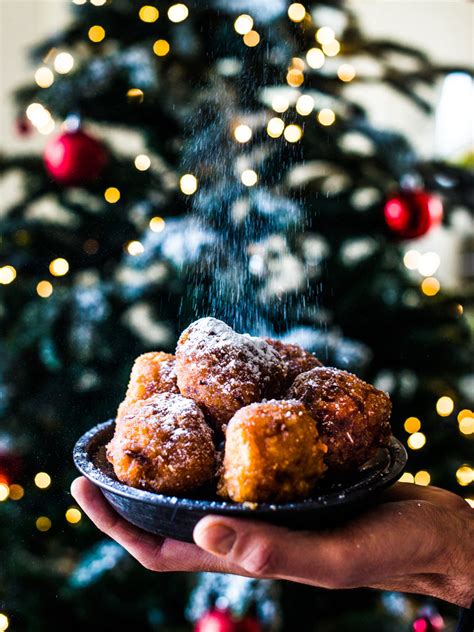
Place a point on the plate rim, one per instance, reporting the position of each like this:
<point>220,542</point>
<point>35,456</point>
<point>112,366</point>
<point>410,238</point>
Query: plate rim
<point>381,480</point>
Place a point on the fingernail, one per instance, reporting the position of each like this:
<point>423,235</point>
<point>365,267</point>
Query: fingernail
<point>217,539</point>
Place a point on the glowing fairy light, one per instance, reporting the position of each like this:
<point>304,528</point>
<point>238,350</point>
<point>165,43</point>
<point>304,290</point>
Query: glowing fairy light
<point>44,289</point>
<point>42,480</point>
<point>157,224</point>
<point>96,33</point>
<point>16,492</point>
<point>416,440</point>
<point>298,63</point>
<point>428,264</point>
<point>112,195</point>
<point>249,177</point>
<point>411,259</point>
<point>4,492</point>
<point>161,47</point>
<point>7,275</point>
<point>294,77</point>
<point>296,12</point>
<point>331,49</point>
<point>135,95</point>
<point>135,248</point>
<point>59,266</point>
<point>63,63</point>
<point>293,133</point>
<point>142,162</point>
<point>466,425</point>
<point>315,58</point>
<point>326,117</point>
<point>4,622</point>
<point>178,12</point>
<point>346,72</point>
<point>242,133</point>
<point>148,13</point>
<point>243,24</point>
<point>98,3</point>
<point>280,104</point>
<point>305,105</point>
<point>275,127</point>
<point>325,35</point>
<point>444,406</point>
<point>43,523</point>
<point>422,478</point>
<point>251,39</point>
<point>465,475</point>
<point>188,184</point>
<point>44,77</point>
<point>406,477</point>
<point>412,424</point>
<point>73,515</point>
<point>430,286</point>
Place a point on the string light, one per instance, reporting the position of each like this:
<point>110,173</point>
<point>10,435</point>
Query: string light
<point>332,48</point>
<point>315,58</point>
<point>275,127</point>
<point>135,95</point>
<point>4,622</point>
<point>39,116</point>
<point>346,72</point>
<point>305,105</point>
<point>44,77</point>
<point>296,12</point>
<point>294,77</point>
<point>430,286</point>
<point>96,33</point>
<point>444,406</point>
<point>42,480</point>
<point>462,414</point>
<point>73,515</point>
<point>428,264</point>
<point>16,492</point>
<point>43,523</point>
<point>406,477</point>
<point>157,224</point>
<point>298,63</point>
<point>412,424</point>
<point>411,259</point>
<point>324,35</point>
<point>188,184</point>
<point>112,195</point>
<point>4,492</point>
<point>326,117</point>
<point>422,478</point>
<point>416,440</point>
<point>243,24</point>
<point>142,162</point>
<point>63,63</point>
<point>44,289</point>
<point>466,425</point>
<point>251,39</point>
<point>148,13</point>
<point>161,48</point>
<point>59,267</point>
<point>7,275</point>
<point>134,248</point>
<point>293,133</point>
<point>280,104</point>
<point>242,133</point>
<point>465,475</point>
<point>178,12</point>
<point>249,177</point>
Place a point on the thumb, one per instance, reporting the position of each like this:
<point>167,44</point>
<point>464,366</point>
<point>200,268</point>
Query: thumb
<point>263,550</point>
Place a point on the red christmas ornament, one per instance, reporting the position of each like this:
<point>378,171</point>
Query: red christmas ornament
<point>412,213</point>
<point>75,158</point>
<point>432,622</point>
<point>223,621</point>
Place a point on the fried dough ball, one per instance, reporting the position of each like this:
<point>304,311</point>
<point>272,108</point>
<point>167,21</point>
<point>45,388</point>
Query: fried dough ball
<point>272,453</point>
<point>163,444</point>
<point>222,370</point>
<point>152,373</point>
<point>297,359</point>
<point>352,416</point>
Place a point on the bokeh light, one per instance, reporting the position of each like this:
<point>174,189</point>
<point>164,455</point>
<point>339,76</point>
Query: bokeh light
<point>406,477</point>
<point>73,515</point>
<point>326,117</point>
<point>294,77</point>
<point>43,523</point>
<point>157,224</point>
<point>296,12</point>
<point>96,33</point>
<point>161,47</point>
<point>63,63</point>
<point>135,95</point>
<point>315,58</point>
<point>242,133</point>
<point>243,24</point>
<point>149,13</point>
<point>16,492</point>
<point>142,162</point>
<point>249,177</point>
<point>305,104</point>
<point>251,39</point>
<point>112,195</point>
<point>275,127</point>
<point>44,77</point>
<point>44,289</point>
<point>4,622</point>
<point>346,72</point>
<point>134,248</point>
<point>42,480</point>
<point>412,424</point>
<point>178,12</point>
<point>280,104</point>
<point>416,440</point>
<point>411,259</point>
<point>428,264</point>
<point>4,492</point>
<point>422,478</point>
<point>331,49</point>
<point>430,286</point>
<point>465,475</point>
<point>444,406</point>
<point>188,184</point>
<point>325,35</point>
<point>7,275</point>
<point>59,266</point>
<point>293,133</point>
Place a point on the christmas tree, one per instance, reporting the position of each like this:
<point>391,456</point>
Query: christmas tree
<point>204,158</point>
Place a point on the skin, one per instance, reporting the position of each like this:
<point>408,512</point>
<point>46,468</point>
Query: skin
<point>417,540</point>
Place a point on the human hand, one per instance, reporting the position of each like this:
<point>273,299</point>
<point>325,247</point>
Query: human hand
<point>418,540</point>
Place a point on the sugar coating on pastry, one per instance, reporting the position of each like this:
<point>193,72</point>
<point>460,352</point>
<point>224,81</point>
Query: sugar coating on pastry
<point>152,373</point>
<point>223,370</point>
<point>352,415</point>
<point>296,359</point>
<point>272,453</point>
<point>163,444</point>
